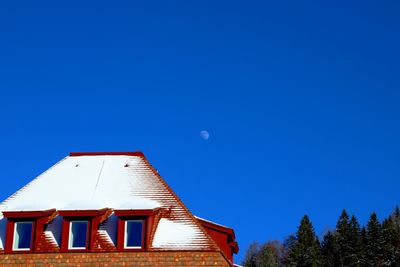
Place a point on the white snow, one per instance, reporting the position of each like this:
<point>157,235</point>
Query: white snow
<point>86,182</point>
<point>107,181</point>
<point>174,234</point>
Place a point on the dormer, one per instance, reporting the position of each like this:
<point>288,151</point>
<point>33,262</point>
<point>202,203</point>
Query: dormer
<point>25,229</point>
<point>79,228</point>
<point>135,227</point>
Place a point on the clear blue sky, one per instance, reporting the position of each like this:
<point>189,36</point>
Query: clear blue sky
<point>301,100</point>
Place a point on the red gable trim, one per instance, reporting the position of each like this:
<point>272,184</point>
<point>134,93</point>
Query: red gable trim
<point>218,227</point>
<point>229,246</point>
<point>78,154</point>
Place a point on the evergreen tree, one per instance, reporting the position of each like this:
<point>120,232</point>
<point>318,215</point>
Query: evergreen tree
<point>374,245</point>
<point>396,218</point>
<point>374,242</point>
<point>287,255</point>
<point>306,249</point>
<point>343,237</point>
<point>390,242</point>
<point>363,246</point>
<point>329,250</point>
<point>356,249</point>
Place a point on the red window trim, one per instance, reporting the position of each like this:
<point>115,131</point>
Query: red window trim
<point>148,218</point>
<point>121,233</point>
<point>136,213</point>
<point>38,219</point>
<point>94,218</point>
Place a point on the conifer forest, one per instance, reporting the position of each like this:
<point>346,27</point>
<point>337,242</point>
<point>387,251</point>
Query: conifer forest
<point>349,244</point>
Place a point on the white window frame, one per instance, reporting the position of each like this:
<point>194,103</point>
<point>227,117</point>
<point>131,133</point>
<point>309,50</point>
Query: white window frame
<point>70,236</point>
<point>14,237</point>
<point>126,235</point>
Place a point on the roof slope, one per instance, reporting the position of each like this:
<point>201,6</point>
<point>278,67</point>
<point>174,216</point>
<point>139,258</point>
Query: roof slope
<point>116,181</point>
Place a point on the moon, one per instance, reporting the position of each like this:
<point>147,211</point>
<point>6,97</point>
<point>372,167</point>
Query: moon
<point>205,135</point>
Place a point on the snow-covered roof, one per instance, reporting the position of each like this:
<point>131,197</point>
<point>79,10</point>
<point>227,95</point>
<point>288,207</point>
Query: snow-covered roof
<point>109,180</point>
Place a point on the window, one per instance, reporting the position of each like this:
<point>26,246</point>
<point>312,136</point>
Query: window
<point>23,227</point>
<point>133,234</point>
<point>22,236</point>
<point>79,228</point>
<point>78,234</point>
<point>135,228</point>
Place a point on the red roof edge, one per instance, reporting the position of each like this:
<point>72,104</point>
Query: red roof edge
<point>217,227</point>
<point>132,212</point>
<point>78,154</point>
<point>88,213</point>
<point>28,214</point>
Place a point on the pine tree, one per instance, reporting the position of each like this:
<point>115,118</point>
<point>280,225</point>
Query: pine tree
<point>374,242</point>
<point>343,237</point>
<point>306,249</point>
<point>374,245</point>
<point>391,240</point>
<point>329,250</point>
<point>363,246</point>
<point>287,254</point>
<point>356,250</point>
<point>395,217</point>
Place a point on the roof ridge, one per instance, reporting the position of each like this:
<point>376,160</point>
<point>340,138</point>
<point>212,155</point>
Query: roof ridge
<point>119,153</point>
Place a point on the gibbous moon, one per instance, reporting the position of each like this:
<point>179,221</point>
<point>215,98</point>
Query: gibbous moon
<point>205,134</point>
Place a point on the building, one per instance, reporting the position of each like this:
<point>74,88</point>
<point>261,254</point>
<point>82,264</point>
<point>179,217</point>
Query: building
<point>107,209</point>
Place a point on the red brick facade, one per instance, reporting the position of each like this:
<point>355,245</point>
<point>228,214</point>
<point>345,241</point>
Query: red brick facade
<point>150,259</point>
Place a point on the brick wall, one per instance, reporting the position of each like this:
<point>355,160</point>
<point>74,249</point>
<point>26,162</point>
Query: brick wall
<point>150,259</point>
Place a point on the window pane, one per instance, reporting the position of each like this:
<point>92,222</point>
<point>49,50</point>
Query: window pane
<point>133,234</point>
<point>23,235</point>
<point>78,234</point>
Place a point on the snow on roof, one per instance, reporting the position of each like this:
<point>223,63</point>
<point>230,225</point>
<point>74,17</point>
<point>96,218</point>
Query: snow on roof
<point>174,234</point>
<point>87,182</point>
<point>116,181</point>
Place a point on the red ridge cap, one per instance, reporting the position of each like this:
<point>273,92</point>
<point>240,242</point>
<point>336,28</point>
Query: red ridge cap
<point>78,154</point>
